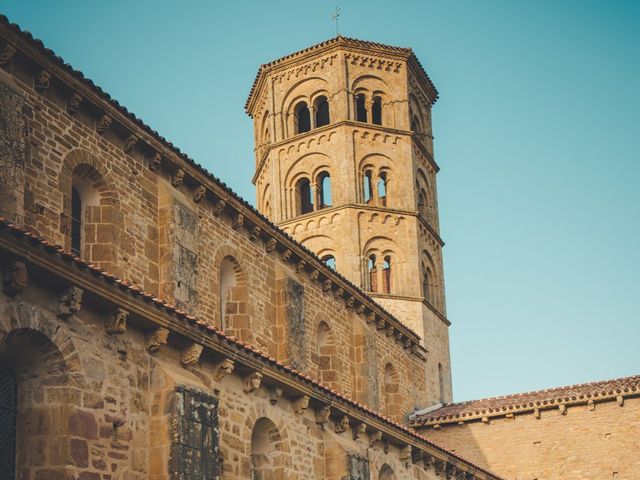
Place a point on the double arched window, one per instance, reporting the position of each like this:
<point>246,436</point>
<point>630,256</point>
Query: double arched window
<point>308,116</point>
<point>306,200</point>
<point>368,111</point>
<point>302,117</point>
<point>379,277</point>
<point>378,193</point>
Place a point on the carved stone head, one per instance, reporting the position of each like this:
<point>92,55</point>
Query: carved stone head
<point>16,278</point>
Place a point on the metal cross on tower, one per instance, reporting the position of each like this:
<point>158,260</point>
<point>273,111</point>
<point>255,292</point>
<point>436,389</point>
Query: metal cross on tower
<point>334,17</point>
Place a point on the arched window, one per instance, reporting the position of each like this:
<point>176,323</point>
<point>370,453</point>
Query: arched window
<point>422,205</point>
<point>391,391</point>
<point>382,189</point>
<point>441,382</point>
<point>330,261</point>
<point>415,124</point>
<point>8,417</point>
<point>361,108</point>
<point>227,282</point>
<point>386,473</point>
<point>322,111</point>
<point>266,451</point>
<point>324,190</point>
<point>367,187</point>
<point>302,118</point>
<point>372,273</point>
<point>386,275</point>
<point>76,222</point>
<point>376,110</point>
<point>426,285</point>
<point>304,199</point>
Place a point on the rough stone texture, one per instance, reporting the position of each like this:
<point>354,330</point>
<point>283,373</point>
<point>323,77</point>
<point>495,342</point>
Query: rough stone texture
<point>293,297</point>
<point>582,443</point>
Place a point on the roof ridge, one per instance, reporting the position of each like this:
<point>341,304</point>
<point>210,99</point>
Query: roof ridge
<point>209,328</point>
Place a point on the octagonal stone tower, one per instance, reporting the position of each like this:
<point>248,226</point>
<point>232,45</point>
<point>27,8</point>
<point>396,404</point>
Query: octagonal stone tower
<point>344,164</point>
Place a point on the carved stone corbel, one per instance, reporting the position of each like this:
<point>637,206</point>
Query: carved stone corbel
<point>70,302</point>
<point>300,266</point>
<point>380,323</point>
<point>300,404</point>
<point>385,445</point>
<point>389,330</point>
<point>416,455</point>
<point>314,275</point>
<point>155,162</point>
<point>427,460</point>
<point>620,400</point>
<point>406,343</point>
<point>191,354</point>
<point>16,278</point>
<point>591,404</point>
<point>7,53</point>
<point>440,467</point>
<point>103,124</point>
<point>129,143</point>
<point>218,207</point>
<point>255,233</point>
<point>374,438</point>
<point>360,309</point>
<point>116,323</point>
<point>342,425</point>
<point>371,318</point>
<point>326,286</point>
<point>252,382</point>
<point>43,80</point>
<point>338,293</point>
<point>238,221</point>
<point>359,430</point>
<point>450,472</point>
<point>562,408</point>
<point>323,414</point>
<point>405,453</point>
<point>275,394</point>
<point>156,338</point>
<point>350,302</point>
<point>485,420</point>
<point>286,255</point>
<point>270,245</point>
<point>199,193</point>
<point>177,177</point>
<point>74,102</point>
<point>224,368</point>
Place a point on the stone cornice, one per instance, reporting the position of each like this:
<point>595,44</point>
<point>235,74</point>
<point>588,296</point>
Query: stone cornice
<point>55,267</point>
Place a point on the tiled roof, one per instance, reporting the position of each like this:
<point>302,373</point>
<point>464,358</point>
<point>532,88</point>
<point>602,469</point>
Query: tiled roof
<point>347,42</point>
<point>529,401</point>
<point>204,327</point>
<point>78,75</point>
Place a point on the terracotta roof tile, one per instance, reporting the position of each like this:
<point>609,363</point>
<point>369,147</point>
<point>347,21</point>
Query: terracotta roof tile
<point>528,401</point>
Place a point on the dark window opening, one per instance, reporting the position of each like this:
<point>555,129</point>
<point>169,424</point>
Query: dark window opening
<point>373,273</point>
<point>382,189</point>
<point>361,108</point>
<point>376,111</point>
<point>426,286</point>
<point>76,221</point>
<point>386,275</point>
<point>322,111</point>
<point>302,118</point>
<point>330,261</point>
<point>324,190</point>
<point>8,417</point>
<point>304,200</point>
<point>367,187</point>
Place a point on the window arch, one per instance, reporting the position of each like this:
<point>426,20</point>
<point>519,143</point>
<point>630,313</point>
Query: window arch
<point>304,197</point>
<point>302,117</point>
<point>267,459</point>
<point>391,391</point>
<point>321,107</point>
<point>323,182</point>
<point>8,421</point>
<point>386,473</point>
<point>426,284</point>
<point>376,110</point>
<point>423,205</point>
<point>361,107</point>
<point>367,186</point>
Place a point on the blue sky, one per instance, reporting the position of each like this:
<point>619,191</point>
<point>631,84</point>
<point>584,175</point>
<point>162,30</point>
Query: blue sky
<point>536,132</point>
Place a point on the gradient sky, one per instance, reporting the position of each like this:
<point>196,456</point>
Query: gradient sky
<point>536,133</point>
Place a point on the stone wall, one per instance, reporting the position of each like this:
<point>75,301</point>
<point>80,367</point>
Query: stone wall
<point>585,441</point>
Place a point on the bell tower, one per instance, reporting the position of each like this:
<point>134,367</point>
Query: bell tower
<point>344,164</point>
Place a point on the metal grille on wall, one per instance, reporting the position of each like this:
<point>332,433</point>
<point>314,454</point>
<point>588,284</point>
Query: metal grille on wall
<point>8,414</point>
<point>195,450</point>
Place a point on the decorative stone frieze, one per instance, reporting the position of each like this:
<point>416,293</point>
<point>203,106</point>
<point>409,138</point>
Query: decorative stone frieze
<point>252,382</point>
<point>16,278</point>
<point>177,177</point>
<point>70,302</point>
<point>103,124</point>
<point>156,338</point>
<point>116,323</point>
<point>73,103</point>
<point>342,425</point>
<point>191,354</point>
<point>199,193</point>
<point>300,404</point>
<point>224,368</point>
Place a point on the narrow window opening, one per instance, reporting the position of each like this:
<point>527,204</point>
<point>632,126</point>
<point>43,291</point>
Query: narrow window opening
<point>76,222</point>
<point>330,261</point>
<point>373,273</point>
<point>386,275</point>
<point>361,108</point>
<point>227,282</point>
<point>367,186</point>
<point>322,111</point>
<point>382,189</point>
<point>304,197</point>
<point>302,118</point>
<point>376,111</point>
<point>441,382</point>
<point>324,190</point>
<point>426,288</point>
